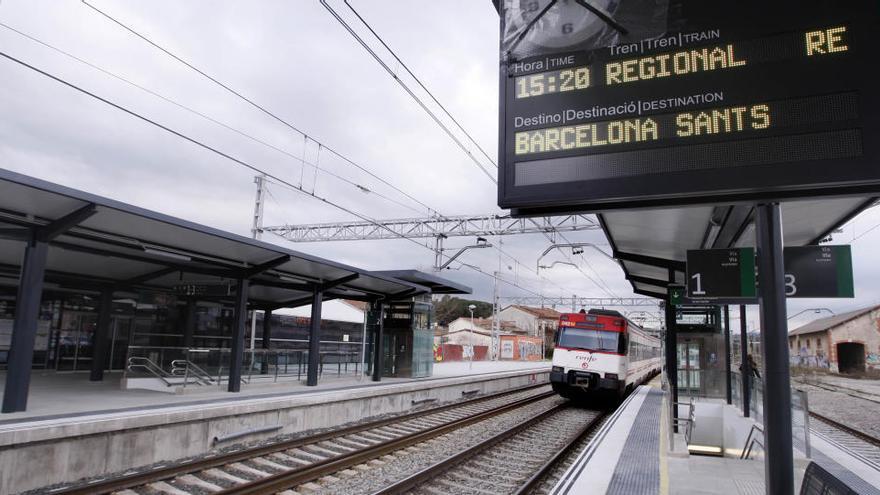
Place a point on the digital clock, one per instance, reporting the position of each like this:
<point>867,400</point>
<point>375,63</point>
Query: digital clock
<point>631,103</point>
<point>556,81</point>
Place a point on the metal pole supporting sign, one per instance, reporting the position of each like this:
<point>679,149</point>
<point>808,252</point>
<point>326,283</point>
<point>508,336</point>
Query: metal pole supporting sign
<point>778,463</point>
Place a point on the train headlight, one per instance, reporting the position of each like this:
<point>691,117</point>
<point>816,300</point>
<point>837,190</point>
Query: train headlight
<point>558,368</point>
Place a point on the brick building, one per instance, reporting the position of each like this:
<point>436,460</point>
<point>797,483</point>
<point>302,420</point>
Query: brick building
<point>844,343</point>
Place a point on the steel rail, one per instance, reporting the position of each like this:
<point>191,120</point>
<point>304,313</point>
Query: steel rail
<point>529,485</point>
<point>294,477</point>
<point>848,429</point>
<point>437,469</point>
<point>176,469</point>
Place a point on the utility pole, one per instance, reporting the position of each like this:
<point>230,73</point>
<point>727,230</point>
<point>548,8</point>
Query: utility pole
<point>257,229</point>
<point>438,251</point>
<point>496,322</point>
<point>257,232</point>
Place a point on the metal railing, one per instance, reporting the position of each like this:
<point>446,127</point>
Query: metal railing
<point>184,366</point>
<point>800,408</point>
<point>149,368</point>
<point>688,422</point>
<point>751,440</point>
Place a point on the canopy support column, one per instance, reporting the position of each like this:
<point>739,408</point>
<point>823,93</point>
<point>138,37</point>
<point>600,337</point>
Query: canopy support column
<point>778,463</point>
<point>238,331</point>
<point>727,353</point>
<point>746,365</point>
<point>102,337</point>
<point>267,340</point>
<point>379,307</point>
<point>315,339</point>
<point>24,330</point>
<point>670,344</point>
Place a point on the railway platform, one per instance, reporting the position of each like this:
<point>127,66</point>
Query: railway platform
<point>77,429</point>
<point>632,454</point>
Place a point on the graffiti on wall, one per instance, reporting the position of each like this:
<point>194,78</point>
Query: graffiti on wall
<point>819,360</point>
<point>529,348</point>
<point>507,349</point>
<point>467,351</point>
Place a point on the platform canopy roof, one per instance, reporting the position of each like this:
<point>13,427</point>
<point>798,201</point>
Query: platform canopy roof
<point>97,243</point>
<point>648,243</point>
<point>438,285</point>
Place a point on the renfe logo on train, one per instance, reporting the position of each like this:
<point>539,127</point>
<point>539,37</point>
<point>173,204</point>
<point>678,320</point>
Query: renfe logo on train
<point>649,103</point>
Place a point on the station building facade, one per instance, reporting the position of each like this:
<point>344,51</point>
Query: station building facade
<point>844,343</point>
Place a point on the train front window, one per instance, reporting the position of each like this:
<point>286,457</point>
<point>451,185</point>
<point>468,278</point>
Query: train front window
<point>591,340</point>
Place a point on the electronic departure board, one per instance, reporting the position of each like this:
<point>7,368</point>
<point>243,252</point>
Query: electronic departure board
<point>620,103</point>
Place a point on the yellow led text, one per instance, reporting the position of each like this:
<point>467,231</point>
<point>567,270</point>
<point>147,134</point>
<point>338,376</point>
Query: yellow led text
<point>586,136</point>
<point>686,124</point>
<point>669,64</point>
<point>826,41</point>
<point>722,120</point>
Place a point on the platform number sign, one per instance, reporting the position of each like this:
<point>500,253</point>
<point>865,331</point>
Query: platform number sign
<point>721,273</point>
<point>818,271</point>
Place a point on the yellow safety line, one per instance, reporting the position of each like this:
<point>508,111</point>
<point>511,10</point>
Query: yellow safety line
<point>664,474</point>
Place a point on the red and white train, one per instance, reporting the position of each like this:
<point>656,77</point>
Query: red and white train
<point>602,352</point>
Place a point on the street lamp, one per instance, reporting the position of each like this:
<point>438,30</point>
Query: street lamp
<point>472,307</point>
<point>815,310</point>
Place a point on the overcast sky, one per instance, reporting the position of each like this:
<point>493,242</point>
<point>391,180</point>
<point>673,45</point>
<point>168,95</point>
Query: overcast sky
<point>295,59</point>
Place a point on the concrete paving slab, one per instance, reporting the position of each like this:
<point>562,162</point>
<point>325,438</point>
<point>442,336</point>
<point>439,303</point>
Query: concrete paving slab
<point>68,394</point>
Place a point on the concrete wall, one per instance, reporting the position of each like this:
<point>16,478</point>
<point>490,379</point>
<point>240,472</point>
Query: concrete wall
<point>455,352</point>
<point>36,454</point>
<point>466,337</point>
<point>521,348</point>
<point>810,349</point>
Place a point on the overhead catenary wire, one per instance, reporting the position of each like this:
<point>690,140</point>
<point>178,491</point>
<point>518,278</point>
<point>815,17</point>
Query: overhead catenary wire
<point>601,284</point>
<point>233,159</point>
<point>306,136</point>
<point>604,285</point>
<point>409,91</point>
<point>259,107</point>
<point>303,162</point>
<point>419,82</point>
<point>228,88</point>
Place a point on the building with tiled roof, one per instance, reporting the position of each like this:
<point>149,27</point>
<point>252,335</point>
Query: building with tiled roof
<point>845,343</point>
<point>537,322</point>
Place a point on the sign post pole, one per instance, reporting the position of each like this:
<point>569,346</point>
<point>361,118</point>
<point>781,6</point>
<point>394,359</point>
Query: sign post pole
<point>778,463</point>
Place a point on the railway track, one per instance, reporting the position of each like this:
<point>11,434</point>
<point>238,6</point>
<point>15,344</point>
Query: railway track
<point>514,461</point>
<point>840,389</point>
<point>277,467</point>
<point>856,441</point>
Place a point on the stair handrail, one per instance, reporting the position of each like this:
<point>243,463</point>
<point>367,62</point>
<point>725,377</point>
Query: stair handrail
<point>186,368</point>
<point>138,362</point>
<point>688,422</point>
<point>751,440</point>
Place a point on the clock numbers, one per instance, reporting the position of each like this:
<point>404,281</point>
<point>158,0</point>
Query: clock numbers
<point>553,82</point>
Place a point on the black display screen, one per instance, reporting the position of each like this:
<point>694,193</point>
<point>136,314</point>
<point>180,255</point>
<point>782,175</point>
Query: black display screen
<point>677,102</point>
